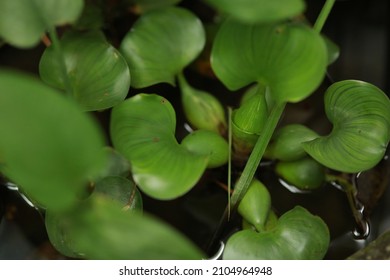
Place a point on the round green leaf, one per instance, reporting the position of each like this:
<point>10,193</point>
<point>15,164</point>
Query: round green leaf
<point>208,143</point>
<point>47,145</point>
<point>304,173</point>
<point>23,22</point>
<point>298,235</point>
<point>161,44</point>
<point>360,113</point>
<point>286,144</point>
<point>289,58</point>
<point>252,11</point>
<point>99,229</point>
<point>255,206</point>
<point>143,130</point>
<point>98,73</point>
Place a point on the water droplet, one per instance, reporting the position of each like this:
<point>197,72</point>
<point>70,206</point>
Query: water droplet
<point>362,231</point>
<point>291,188</point>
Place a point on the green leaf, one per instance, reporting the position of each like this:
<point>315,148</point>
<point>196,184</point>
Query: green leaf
<point>304,173</point>
<point>360,113</point>
<point>98,229</point>
<point>208,143</point>
<point>289,58</point>
<point>333,50</point>
<point>286,144</point>
<point>161,44</point>
<point>23,22</point>
<point>98,73</point>
<point>121,190</point>
<point>298,235</point>
<point>48,146</point>
<point>254,11</point>
<point>255,206</point>
<point>143,130</point>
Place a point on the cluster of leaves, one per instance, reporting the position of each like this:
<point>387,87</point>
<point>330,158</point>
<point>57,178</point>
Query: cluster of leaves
<point>53,148</point>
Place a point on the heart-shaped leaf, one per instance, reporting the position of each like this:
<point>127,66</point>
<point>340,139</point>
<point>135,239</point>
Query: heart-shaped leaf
<point>360,113</point>
<point>23,22</point>
<point>143,130</point>
<point>161,44</point>
<point>252,11</point>
<point>289,58</point>
<point>98,73</point>
<point>98,229</point>
<point>47,145</point>
<point>298,235</point>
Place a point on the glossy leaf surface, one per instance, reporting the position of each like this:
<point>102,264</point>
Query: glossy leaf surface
<point>160,44</point>
<point>360,113</point>
<point>202,109</point>
<point>23,22</point>
<point>286,144</point>
<point>289,58</point>
<point>252,11</point>
<point>255,206</point>
<point>143,130</point>
<point>98,73</point>
<point>298,235</point>
<point>47,145</point>
<point>304,173</point>
<point>210,144</point>
<point>98,229</point>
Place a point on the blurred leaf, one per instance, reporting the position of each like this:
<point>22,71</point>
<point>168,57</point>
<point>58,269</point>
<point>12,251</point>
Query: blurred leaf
<point>98,229</point>
<point>161,44</point>
<point>289,58</point>
<point>333,50</point>
<point>255,11</point>
<point>98,73</point>
<point>121,190</point>
<point>143,130</point>
<point>142,6</point>
<point>23,22</point>
<point>360,113</point>
<point>298,235</point>
<point>48,146</point>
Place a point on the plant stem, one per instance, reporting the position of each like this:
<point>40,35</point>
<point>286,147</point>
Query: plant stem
<point>230,136</point>
<point>322,17</point>
<point>256,155</point>
<point>60,59</point>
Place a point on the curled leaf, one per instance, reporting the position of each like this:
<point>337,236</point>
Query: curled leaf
<point>360,113</point>
<point>143,130</point>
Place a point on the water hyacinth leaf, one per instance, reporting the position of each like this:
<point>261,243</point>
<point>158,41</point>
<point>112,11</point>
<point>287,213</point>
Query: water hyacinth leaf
<point>360,114</point>
<point>23,22</point>
<point>255,206</point>
<point>98,73</point>
<point>116,165</point>
<point>255,11</point>
<point>161,44</point>
<point>210,144</point>
<point>120,189</point>
<point>289,58</point>
<point>143,130</point>
<point>286,144</point>
<point>304,173</point>
<point>47,145</point>
<point>98,229</point>
<point>202,109</point>
<point>298,235</point>
<point>333,50</point>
